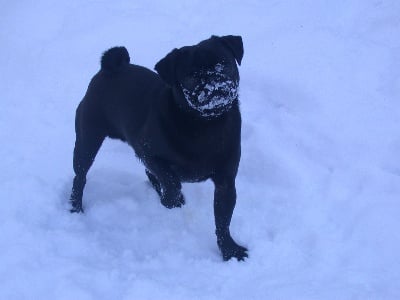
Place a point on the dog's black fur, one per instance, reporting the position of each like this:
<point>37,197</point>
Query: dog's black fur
<point>184,124</point>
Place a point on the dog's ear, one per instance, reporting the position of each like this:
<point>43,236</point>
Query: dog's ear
<point>166,67</point>
<point>235,44</point>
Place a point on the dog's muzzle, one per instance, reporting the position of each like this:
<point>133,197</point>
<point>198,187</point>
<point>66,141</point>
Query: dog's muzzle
<point>211,92</point>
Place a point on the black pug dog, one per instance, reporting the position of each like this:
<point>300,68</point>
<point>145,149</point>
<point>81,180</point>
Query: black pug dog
<point>183,123</point>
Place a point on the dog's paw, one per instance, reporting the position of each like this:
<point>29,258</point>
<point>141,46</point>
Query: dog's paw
<point>76,209</point>
<point>238,252</point>
<point>172,202</point>
<point>230,250</point>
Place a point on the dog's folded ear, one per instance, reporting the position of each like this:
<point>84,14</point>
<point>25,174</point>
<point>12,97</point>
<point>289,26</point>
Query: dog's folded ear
<point>235,44</point>
<point>166,67</point>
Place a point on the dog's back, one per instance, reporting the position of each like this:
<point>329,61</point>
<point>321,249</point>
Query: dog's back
<point>119,96</point>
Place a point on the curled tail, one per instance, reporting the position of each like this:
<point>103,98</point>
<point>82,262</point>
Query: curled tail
<point>114,59</point>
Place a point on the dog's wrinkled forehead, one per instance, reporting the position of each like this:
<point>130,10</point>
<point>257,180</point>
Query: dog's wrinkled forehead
<point>225,50</point>
<point>210,56</point>
<point>212,74</point>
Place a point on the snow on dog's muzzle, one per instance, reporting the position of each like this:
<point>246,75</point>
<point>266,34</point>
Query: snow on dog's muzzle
<point>211,93</point>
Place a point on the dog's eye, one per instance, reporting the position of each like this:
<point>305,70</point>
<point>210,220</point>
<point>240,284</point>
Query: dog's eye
<point>190,82</point>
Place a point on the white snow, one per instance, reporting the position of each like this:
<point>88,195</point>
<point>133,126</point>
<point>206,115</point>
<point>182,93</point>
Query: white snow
<point>202,97</point>
<point>319,182</point>
<point>208,104</point>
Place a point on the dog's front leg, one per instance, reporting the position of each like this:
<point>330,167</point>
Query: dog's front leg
<point>165,182</point>
<point>224,204</point>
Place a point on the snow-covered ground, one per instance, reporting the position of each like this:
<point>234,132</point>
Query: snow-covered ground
<point>319,183</point>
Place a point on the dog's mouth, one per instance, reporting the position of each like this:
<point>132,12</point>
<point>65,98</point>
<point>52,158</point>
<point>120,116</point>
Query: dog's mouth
<point>210,92</point>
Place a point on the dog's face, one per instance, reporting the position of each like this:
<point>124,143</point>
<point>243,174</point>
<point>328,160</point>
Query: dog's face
<point>204,77</point>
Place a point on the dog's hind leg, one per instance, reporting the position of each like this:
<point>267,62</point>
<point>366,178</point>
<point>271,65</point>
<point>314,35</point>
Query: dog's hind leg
<point>88,141</point>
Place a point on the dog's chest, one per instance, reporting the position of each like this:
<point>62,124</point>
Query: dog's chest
<point>192,152</point>
<point>198,145</point>
<point>195,158</point>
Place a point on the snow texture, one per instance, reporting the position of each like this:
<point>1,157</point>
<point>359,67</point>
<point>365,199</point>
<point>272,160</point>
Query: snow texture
<point>214,94</point>
<point>319,181</point>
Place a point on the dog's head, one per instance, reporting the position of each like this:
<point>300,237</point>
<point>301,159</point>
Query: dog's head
<point>204,77</point>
